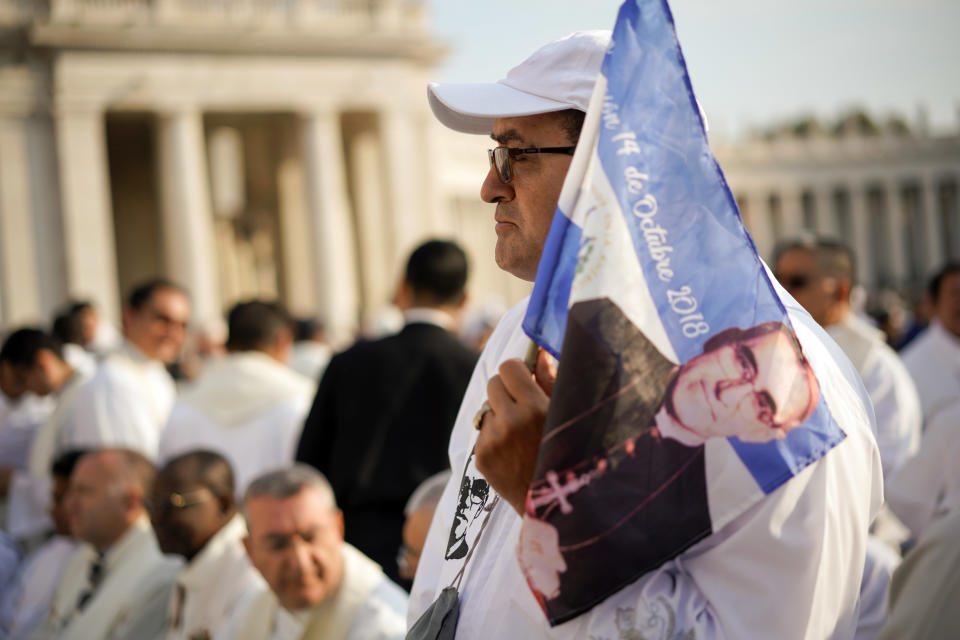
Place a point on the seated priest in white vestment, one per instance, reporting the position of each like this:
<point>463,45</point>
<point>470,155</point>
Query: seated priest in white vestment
<point>37,360</point>
<point>248,406</point>
<point>118,583</point>
<point>933,357</point>
<point>194,515</point>
<point>927,487</point>
<point>44,567</point>
<point>128,400</point>
<point>819,274</point>
<point>321,588</point>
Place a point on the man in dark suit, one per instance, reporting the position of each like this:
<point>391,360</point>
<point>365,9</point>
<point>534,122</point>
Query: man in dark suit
<point>637,488</point>
<point>382,416</point>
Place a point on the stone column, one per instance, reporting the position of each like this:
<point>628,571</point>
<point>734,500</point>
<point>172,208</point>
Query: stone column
<point>825,216</point>
<point>89,244</point>
<point>331,226</point>
<point>404,197</point>
<point>893,196</point>
<point>860,223</point>
<point>189,249</point>
<point>375,230</point>
<point>931,226</point>
<point>791,208</point>
<point>295,229</point>
<point>758,218</point>
<point>19,282</point>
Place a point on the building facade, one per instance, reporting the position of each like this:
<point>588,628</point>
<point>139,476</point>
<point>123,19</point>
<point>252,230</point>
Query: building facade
<point>274,148</point>
<point>892,195</point>
<point>285,149</point>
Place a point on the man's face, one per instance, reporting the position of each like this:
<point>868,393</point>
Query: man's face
<point>748,389</point>
<point>525,207</point>
<point>296,544</point>
<point>415,529</point>
<point>185,514</point>
<point>159,327</point>
<point>12,382</point>
<point>90,321</point>
<point>798,272</point>
<point>96,502</point>
<point>948,303</point>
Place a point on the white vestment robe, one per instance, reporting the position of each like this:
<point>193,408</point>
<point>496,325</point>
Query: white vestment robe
<point>309,358</point>
<point>365,606</point>
<point>248,407</point>
<point>20,421</point>
<point>125,404</point>
<point>39,580</point>
<point>210,586</point>
<point>131,599</point>
<point>933,359</point>
<point>789,567</point>
<point>928,485</point>
<point>891,389</point>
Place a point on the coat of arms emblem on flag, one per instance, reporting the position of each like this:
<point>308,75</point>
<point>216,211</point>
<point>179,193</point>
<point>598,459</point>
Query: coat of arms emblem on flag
<point>683,396</point>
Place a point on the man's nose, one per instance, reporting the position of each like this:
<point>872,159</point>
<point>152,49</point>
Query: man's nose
<point>300,554</point>
<point>732,392</point>
<point>492,190</point>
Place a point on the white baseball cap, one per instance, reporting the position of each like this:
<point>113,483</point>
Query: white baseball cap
<point>558,76</point>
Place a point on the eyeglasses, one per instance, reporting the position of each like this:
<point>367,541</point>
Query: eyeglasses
<point>793,283</point>
<point>407,560</point>
<point>176,501</point>
<point>764,403</point>
<point>502,158</point>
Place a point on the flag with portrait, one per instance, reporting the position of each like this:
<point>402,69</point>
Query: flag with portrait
<point>683,396</point>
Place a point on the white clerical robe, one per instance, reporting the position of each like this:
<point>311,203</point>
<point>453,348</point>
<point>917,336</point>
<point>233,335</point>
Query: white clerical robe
<point>309,358</point>
<point>38,583</point>
<point>365,606</point>
<point>933,359</point>
<point>928,485</point>
<point>247,407</point>
<point>789,567</point>
<point>210,586</point>
<point>125,404</point>
<point>891,389</point>
<point>20,421</point>
<point>131,599</point>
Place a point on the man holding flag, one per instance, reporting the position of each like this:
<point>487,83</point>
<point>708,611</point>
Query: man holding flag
<point>701,464</point>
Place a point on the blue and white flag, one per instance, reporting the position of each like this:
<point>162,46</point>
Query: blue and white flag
<point>683,396</point>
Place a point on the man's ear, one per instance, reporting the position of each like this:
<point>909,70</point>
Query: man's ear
<point>843,290</point>
<point>44,359</point>
<point>126,318</point>
<point>403,298</point>
<point>338,516</point>
<point>462,302</point>
<point>133,499</point>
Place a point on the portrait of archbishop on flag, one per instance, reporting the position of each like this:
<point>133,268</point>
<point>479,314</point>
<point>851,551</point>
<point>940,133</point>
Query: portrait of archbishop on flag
<point>683,396</point>
<point>628,449</point>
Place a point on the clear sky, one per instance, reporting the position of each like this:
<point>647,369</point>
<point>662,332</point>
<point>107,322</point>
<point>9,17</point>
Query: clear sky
<point>752,62</point>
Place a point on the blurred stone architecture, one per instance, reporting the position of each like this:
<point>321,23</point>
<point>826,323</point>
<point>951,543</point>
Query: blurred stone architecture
<point>888,190</point>
<point>284,148</point>
<point>240,147</point>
